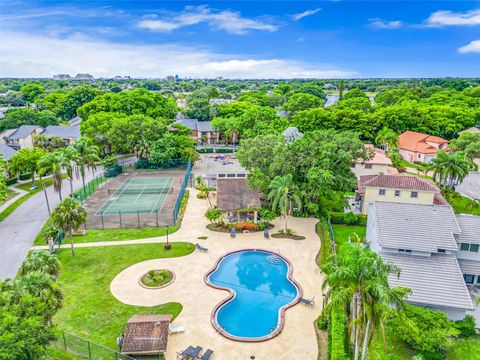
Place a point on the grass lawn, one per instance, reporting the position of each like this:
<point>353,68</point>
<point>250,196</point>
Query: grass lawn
<point>405,163</point>
<point>48,182</point>
<point>396,349</point>
<point>113,234</point>
<point>465,349</point>
<point>342,233</point>
<point>54,353</point>
<point>89,309</point>
<point>464,205</point>
<point>10,194</point>
<point>420,175</point>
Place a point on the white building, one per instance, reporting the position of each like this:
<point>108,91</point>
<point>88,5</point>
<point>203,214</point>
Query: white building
<point>377,165</point>
<point>436,251</point>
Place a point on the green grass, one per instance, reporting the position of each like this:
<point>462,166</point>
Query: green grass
<point>321,229</point>
<point>465,349</point>
<point>420,175</point>
<point>396,348</point>
<point>342,233</point>
<point>113,234</point>
<point>54,353</point>
<point>464,205</point>
<point>89,309</point>
<point>405,163</point>
<point>48,182</point>
<point>10,194</point>
<point>11,208</point>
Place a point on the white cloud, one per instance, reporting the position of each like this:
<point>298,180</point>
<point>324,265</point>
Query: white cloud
<point>450,18</point>
<point>34,55</point>
<point>306,13</point>
<point>377,23</point>
<point>472,47</point>
<point>227,20</point>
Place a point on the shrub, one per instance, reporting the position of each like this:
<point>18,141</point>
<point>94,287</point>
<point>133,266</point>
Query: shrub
<point>201,196</point>
<point>466,326</point>
<point>262,225</point>
<point>249,226</point>
<point>11,181</point>
<point>288,232</point>
<point>25,176</point>
<point>266,214</point>
<point>350,219</point>
<point>338,334</point>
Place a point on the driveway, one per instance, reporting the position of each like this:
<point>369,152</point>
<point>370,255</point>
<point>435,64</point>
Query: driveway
<point>470,186</point>
<point>19,229</point>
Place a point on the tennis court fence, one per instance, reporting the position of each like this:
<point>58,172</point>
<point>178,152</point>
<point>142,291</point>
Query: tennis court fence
<point>178,202</point>
<point>86,191</point>
<point>87,349</point>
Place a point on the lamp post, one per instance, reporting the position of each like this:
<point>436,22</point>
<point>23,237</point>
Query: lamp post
<point>167,245</point>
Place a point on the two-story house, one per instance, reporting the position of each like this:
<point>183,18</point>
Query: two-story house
<point>70,134</point>
<point>422,240</point>
<point>22,137</point>
<point>468,254</point>
<point>202,131</point>
<point>401,188</point>
<point>377,165</point>
<point>415,146</point>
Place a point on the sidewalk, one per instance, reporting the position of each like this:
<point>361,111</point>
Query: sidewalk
<point>21,193</point>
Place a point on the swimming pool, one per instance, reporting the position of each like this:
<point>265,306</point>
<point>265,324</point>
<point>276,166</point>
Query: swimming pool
<point>261,289</point>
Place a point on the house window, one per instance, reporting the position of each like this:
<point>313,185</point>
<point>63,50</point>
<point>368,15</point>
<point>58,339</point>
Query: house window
<point>464,246</point>
<point>474,247</point>
<point>469,247</point>
<point>381,192</point>
<point>368,166</point>
<point>407,251</point>
<point>353,165</point>
<point>478,279</point>
<point>414,194</point>
<point>419,156</point>
<point>468,278</point>
<point>397,193</point>
<point>441,250</point>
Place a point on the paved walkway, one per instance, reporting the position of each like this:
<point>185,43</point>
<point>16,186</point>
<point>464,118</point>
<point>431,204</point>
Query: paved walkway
<point>19,229</point>
<point>297,340</point>
<point>20,193</point>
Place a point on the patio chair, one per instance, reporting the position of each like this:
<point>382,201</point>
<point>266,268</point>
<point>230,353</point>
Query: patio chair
<point>185,354</point>
<point>172,329</point>
<point>194,354</point>
<point>310,302</point>
<point>206,355</point>
<point>201,248</point>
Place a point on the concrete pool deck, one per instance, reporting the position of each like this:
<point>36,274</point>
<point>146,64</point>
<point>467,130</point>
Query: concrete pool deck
<point>297,339</point>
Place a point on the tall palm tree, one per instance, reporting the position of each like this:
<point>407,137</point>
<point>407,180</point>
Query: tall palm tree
<point>360,280</point>
<point>69,156</point>
<point>283,195</point>
<point>449,168</point>
<point>386,138</point>
<point>69,215</point>
<point>143,149</point>
<point>87,155</point>
<point>53,163</point>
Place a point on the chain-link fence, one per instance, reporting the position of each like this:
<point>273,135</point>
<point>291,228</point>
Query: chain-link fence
<point>178,202</point>
<point>86,191</point>
<point>88,349</point>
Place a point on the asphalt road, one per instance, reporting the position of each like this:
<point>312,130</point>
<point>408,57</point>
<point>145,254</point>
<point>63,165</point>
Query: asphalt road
<point>470,186</point>
<point>19,230</point>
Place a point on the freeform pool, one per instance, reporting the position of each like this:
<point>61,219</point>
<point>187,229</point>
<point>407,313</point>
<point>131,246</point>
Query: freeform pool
<point>261,289</point>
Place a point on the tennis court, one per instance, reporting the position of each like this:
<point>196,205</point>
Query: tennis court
<point>144,195</point>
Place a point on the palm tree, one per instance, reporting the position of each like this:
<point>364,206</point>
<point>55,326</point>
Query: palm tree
<point>87,155</point>
<point>386,138</point>
<point>449,168</point>
<point>69,155</point>
<point>143,149</point>
<point>53,163</point>
<point>69,215</point>
<point>283,194</point>
<point>41,261</point>
<point>360,279</point>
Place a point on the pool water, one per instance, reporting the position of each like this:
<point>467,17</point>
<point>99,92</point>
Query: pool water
<point>262,287</point>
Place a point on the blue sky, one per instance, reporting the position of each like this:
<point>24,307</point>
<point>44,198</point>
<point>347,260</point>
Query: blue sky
<point>241,39</point>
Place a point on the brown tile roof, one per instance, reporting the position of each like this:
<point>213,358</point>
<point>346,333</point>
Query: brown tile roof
<point>417,142</point>
<point>399,181</point>
<point>146,334</point>
<point>234,194</point>
<point>379,157</point>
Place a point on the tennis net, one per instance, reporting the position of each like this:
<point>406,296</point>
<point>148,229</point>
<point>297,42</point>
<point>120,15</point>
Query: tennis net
<point>141,191</point>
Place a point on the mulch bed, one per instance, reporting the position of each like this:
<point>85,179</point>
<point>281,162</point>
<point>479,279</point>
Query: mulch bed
<point>219,228</point>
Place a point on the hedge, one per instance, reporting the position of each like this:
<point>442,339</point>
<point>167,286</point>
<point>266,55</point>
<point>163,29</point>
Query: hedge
<point>25,176</point>
<point>346,218</point>
<point>11,181</point>
<point>337,337</point>
<point>211,150</point>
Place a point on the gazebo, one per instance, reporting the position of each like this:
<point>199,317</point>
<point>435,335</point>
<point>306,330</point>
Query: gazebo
<point>239,201</point>
<point>146,335</point>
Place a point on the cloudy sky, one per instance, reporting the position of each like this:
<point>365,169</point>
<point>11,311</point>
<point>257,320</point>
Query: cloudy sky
<point>240,39</point>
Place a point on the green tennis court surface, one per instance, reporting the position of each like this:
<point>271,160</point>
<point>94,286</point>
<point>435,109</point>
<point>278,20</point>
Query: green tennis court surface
<point>137,195</point>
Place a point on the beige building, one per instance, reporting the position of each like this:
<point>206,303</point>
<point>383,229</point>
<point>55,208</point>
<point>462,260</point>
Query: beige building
<point>398,189</point>
<point>379,164</point>
<point>22,137</point>
<point>415,146</point>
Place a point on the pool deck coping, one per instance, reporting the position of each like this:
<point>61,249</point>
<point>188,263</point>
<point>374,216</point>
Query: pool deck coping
<point>233,294</point>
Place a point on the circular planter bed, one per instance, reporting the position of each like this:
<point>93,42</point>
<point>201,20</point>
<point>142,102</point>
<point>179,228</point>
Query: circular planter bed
<point>157,279</point>
<point>226,228</point>
<point>283,236</point>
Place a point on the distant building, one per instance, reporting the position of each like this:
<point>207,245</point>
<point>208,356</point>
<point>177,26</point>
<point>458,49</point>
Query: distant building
<point>83,77</point>
<point>219,78</point>
<point>181,103</point>
<point>220,101</point>
<point>329,87</point>
<point>70,134</point>
<point>202,131</point>
<point>62,77</point>
<point>170,78</point>
<point>22,137</point>
<point>379,164</point>
<point>471,130</point>
<point>415,146</point>
<point>76,121</point>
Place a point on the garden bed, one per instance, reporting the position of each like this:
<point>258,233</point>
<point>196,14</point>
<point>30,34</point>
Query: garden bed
<point>284,236</point>
<point>239,227</point>
<point>157,279</point>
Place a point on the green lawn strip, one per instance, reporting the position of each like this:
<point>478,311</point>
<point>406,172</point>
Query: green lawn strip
<point>54,353</point>
<point>10,195</point>
<point>405,163</point>
<point>464,205</point>
<point>396,348</point>
<point>11,208</point>
<point>342,233</point>
<point>89,309</point>
<point>113,234</point>
<point>420,175</point>
<point>321,229</point>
